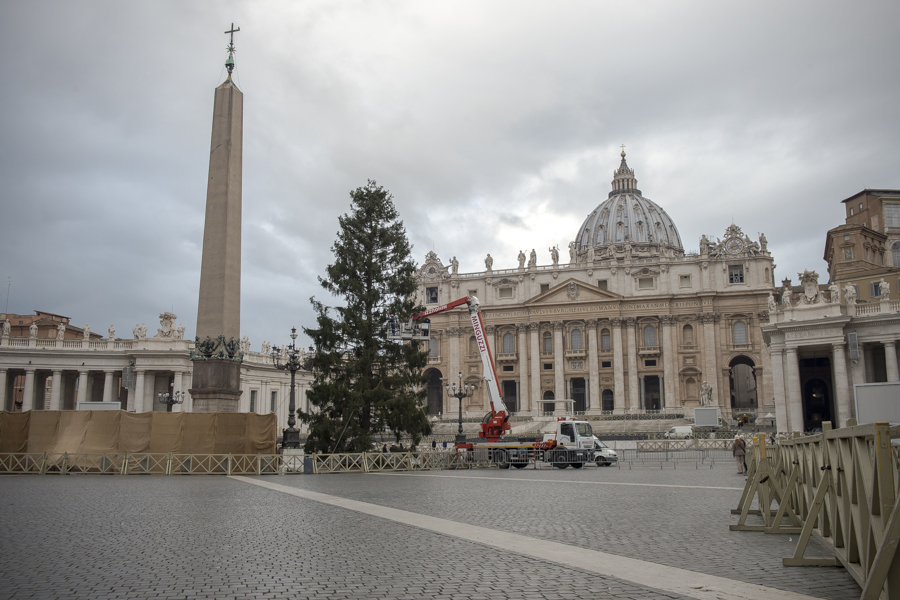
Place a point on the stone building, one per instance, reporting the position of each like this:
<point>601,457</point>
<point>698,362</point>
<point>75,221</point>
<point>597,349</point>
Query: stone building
<point>630,323</point>
<point>824,341</point>
<point>51,370</point>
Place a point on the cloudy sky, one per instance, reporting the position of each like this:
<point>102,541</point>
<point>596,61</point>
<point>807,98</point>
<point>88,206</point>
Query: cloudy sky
<point>496,125</point>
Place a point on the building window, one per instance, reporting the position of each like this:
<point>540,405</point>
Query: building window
<point>432,348</point>
<point>895,254</point>
<point>506,292</point>
<point>740,333</point>
<point>645,283</point>
<point>848,253</point>
<point>851,212</point>
<point>650,362</point>
<point>649,336</point>
<point>431,295</point>
<point>507,367</point>
<point>473,346</point>
<point>606,364</point>
<point>875,289</point>
<point>548,366</point>
<point>545,287</point>
<point>509,343</point>
<point>548,343</point>
<point>736,274</point>
<point>766,274</point>
<point>687,335</point>
<point>603,284</point>
<point>273,400</point>
<point>252,400</point>
<point>473,293</point>
<point>892,215</point>
<point>685,281</point>
<point>605,344</point>
<point>577,341</point>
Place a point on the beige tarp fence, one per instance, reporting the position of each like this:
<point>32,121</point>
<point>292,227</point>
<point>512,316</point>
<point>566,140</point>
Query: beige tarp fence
<point>104,431</point>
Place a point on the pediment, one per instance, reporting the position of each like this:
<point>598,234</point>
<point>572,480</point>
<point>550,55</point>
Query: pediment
<point>573,290</point>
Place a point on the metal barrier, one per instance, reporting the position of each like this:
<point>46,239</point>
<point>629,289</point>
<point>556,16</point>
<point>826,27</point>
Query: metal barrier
<point>700,456</point>
<point>840,487</point>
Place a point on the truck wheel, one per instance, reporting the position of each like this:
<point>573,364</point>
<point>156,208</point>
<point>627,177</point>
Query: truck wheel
<point>560,465</point>
<point>519,465</point>
<point>502,459</point>
<point>602,463</point>
<point>576,465</point>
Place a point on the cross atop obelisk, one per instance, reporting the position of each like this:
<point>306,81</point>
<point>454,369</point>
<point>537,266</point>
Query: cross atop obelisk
<point>229,62</point>
<point>216,383</point>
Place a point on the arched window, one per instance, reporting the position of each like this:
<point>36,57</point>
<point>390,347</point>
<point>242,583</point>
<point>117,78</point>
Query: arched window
<point>548,343</point>
<point>649,336</point>
<point>473,346</point>
<point>605,344</point>
<point>687,335</point>
<point>895,254</point>
<point>432,348</point>
<point>740,333</point>
<point>509,343</point>
<point>577,342</point>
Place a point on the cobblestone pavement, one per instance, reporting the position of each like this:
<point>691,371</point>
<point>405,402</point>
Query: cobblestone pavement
<point>86,536</point>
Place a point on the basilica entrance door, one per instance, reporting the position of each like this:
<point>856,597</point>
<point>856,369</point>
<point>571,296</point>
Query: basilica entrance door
<point>510,398</point>
<point>650,398</point>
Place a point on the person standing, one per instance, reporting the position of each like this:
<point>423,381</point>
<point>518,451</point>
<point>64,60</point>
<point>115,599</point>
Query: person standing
<point>738,451</point>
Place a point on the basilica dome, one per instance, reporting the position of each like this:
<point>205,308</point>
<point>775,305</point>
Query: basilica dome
<point>626,217</point>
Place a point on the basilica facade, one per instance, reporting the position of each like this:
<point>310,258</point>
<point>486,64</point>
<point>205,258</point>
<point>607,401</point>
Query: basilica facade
<point>631,323</point>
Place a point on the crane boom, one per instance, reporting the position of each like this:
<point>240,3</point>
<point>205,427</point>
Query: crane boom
<point>497,421</point>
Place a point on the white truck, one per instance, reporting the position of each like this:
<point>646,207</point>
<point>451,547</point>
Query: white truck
<point>571,445</point>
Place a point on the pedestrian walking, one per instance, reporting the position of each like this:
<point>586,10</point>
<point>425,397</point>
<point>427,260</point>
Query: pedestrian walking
<point>737,451</point>
<point>384,448</point>
<point>433,445</point>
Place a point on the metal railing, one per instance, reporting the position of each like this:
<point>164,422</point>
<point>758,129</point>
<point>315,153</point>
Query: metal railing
<point>840,487</point>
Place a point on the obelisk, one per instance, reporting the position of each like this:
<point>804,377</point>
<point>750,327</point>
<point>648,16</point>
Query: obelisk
<point>216,383</point>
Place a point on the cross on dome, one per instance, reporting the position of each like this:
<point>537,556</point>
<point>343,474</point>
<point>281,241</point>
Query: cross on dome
<point>229,62</point>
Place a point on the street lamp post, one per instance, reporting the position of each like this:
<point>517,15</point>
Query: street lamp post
<point>464,391</point>
<point>292,362</point>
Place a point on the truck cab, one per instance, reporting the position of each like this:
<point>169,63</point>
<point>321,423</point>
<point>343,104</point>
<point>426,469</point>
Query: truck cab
<point>572,434</point>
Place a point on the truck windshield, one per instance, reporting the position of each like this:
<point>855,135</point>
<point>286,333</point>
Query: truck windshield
<point>584,429</point>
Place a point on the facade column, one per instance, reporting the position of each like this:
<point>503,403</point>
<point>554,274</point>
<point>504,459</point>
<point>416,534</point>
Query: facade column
<point>841,384</point>
<point>107,386</point>
<point>178,385</point>
<point>453,362</point>
<point>28,397</point>
<point>138,404</point>
<point>668,349</point>
<point>534,330</point>
<point>3,373</point>
<point>82,388</point>
<point>890,361</point>
<point>778,396</point>
<point>522,397</point>
<point>55,390</point>
<point>794,398</point>
<point>559,362</point>
<point>593,350</point>
<point>634,391</point>
<point>189,402</point>
<point>710,351</point>
<point>618,366</point>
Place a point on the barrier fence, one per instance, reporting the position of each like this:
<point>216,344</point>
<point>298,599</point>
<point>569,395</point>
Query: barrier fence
<point>840,487</point>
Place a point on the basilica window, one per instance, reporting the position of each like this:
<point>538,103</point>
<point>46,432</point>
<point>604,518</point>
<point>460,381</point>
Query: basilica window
<point>548,343</point>
<point>432,348</point>
<point>684,281</point>
<point>892,215</point>
<point>273,400</point>
<point>253,400</point>
<point>649,336</point>
<point>577,341</point>
<point>605,343</point>
<point>545,287</point>
<point>739,330</point>
<point>895,254</point>
<point>603,284</point>
<point>645,283</point>
<point>506,292</point>
<point>509,343</point>
<point>687,335</point>
<point>736,274</point>
<point>431,295</point>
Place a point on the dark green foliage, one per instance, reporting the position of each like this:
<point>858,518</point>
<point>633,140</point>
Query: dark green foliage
<point>362,380</point>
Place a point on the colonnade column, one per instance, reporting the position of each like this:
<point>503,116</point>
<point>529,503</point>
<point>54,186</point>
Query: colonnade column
<point>107,386</point>
<point>594,398</point>
<point>3,389</point>
<point>618,366</point>
<point>668,349</point>
<point>28,397</point>
<point>842,393</point>
<point>535,343</point>
<point>522,331</point>
<point>178,385</point>
<point>778,382</point>
<point>634,393</point>
<point>138,403</point>
<point>559,392</point>
<point>710,350</point>
<point>55,390</point>
<point>890,361</point>
<point>794,398</point>
<point>82,387</point>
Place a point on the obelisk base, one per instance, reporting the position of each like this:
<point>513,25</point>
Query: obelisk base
<point>216,386</point>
